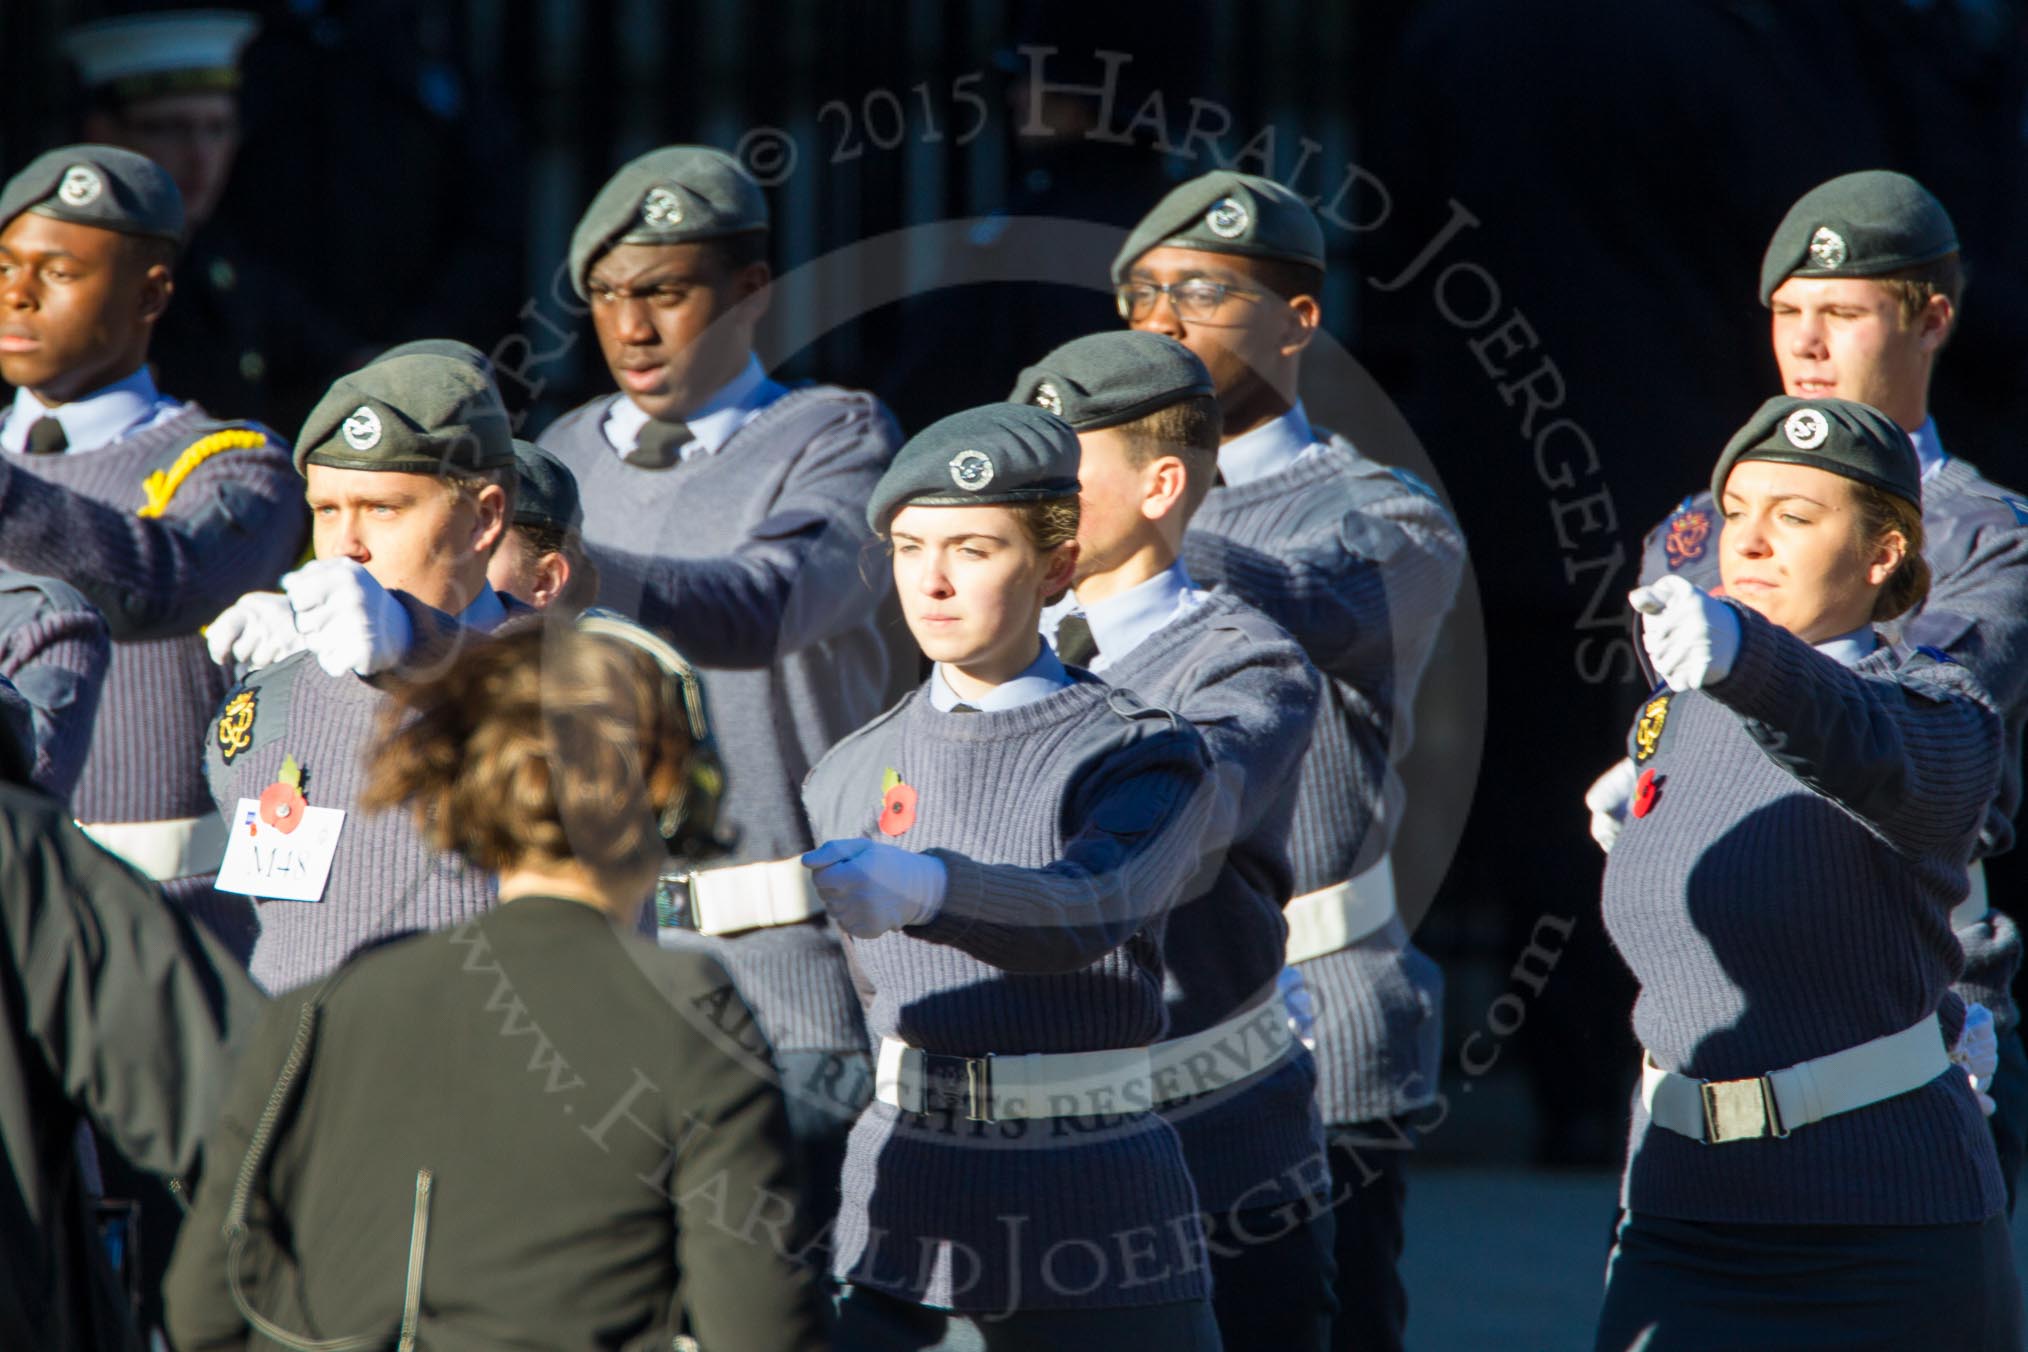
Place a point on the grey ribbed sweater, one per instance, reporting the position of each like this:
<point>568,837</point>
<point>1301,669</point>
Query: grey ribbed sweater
<point>1069,825</point>
<point>54,648</point>
<point>384,879</point>
<point>1245,685</point>
<point>233,526</point>
<point>1976,545</point>
<point>1360,563</point>
<point>1787,896</point>
<point>754,561</point>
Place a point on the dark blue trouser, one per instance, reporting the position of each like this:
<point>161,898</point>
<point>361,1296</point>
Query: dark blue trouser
<point>871,1322</point>
<point>1272,1277</point>
<point>1370,1192</point>
<point>1693,1286</point>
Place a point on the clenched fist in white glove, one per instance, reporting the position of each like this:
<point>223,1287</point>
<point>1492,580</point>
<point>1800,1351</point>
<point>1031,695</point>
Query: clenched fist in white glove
<point>1692,639</point>
<point>871,888</point>
<point>1607,798</point>
<point>257,630</point>
<point>347,619</point>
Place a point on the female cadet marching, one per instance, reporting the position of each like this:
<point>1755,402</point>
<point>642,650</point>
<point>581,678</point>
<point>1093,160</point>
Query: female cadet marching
<point>1807,1167</point>
<point>1001,848</point>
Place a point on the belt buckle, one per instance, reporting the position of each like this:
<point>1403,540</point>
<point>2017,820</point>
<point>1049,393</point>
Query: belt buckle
<point>1740,1110</point>
<point>960,1083</point>
<point>673,909</point>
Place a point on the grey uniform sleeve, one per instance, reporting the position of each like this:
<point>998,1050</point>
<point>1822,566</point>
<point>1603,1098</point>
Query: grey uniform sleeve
<point>233,526</point>
<point>1139,831</point>
<point>130,1003</point>
<point>1915,757</point>
<point>56,658</point>
<point>800,576</point>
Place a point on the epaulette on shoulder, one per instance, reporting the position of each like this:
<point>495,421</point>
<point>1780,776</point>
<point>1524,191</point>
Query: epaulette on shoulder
<point>1133,709</point>
<point>57,592</point>
<point>161,485</point>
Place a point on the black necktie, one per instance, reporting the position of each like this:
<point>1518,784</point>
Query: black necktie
<point>45,437</point>
<point>963,709</point>
<point>658,444</point>
<point>1074,641</point>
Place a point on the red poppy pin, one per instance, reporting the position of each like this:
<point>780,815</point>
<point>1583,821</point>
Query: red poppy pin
<point>897,804</point>
<point>1646,790</point>
<point>282,801</point>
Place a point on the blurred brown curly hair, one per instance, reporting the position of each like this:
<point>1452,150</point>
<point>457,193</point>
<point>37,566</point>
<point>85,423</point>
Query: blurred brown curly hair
<point>540,745</point>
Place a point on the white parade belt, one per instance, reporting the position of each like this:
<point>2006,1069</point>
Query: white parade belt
<point>996,1088</point>
<point>183,847</point>
<point>749,896</point>
<point>1775,1104</point>
<point>1338,917</point>
<point>1973,908</point>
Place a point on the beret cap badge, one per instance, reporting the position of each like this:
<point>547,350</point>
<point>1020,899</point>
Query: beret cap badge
<point>1227,218</point>
<point>971,470</point>
<point>81,186</point>
<point>1806,429</point>
<point>661,209</point>
<point>1048,398</point>
<point>1827,248</point>
<point>362,429</point>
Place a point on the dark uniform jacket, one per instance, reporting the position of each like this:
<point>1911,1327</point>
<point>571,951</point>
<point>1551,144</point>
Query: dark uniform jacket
<point>559,1123</point>
<point>113,1006</point>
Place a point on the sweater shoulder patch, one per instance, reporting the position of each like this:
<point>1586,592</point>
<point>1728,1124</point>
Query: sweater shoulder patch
<point>256,711</point>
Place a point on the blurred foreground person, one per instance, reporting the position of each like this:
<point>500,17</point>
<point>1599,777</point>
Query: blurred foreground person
<point>114,1009</point>
<point>532,1129</point>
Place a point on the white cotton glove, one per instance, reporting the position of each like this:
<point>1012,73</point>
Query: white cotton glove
<point>258,630</point>
<point>347,619</point>
<point>1301,1007</point>
<point>1978,1052</point>
<point>1607,798</point>
<point>1691,638</point>
<point>871,888</point>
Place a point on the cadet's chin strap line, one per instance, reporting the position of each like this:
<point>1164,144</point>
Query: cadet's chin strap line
<point>235,1229</point>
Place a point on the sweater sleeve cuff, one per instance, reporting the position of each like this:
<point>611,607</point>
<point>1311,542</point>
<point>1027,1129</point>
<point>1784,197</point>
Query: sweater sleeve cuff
<point>1772,670</point>
<point>964,887</point>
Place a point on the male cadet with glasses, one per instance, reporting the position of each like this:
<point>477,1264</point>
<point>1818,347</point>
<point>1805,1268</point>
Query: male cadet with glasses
<point>1238,1085</point>
<point>728,513</point>
<point>158,513</point>
<point>408,467</point>
<point>1359,562</point>
<point>1863,278</point>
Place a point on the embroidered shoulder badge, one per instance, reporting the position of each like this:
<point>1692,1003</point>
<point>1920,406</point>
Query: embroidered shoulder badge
<point>1648,730</point>
<point>897,804</point>
<point>235,724</point>
<point>1688,531</point>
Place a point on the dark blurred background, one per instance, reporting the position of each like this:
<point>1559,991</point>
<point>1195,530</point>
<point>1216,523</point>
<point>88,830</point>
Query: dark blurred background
<point>1601,179</point>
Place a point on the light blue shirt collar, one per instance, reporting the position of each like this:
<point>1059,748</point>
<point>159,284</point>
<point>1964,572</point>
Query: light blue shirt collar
<point>486,613</point>
<point>1847,649</point>
<point>1929,451</point>
<point>1122,622</point>
<point>1268,449</point>
<point>1041,678</point>
<point>712,425</point>
<point>98,419</point>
